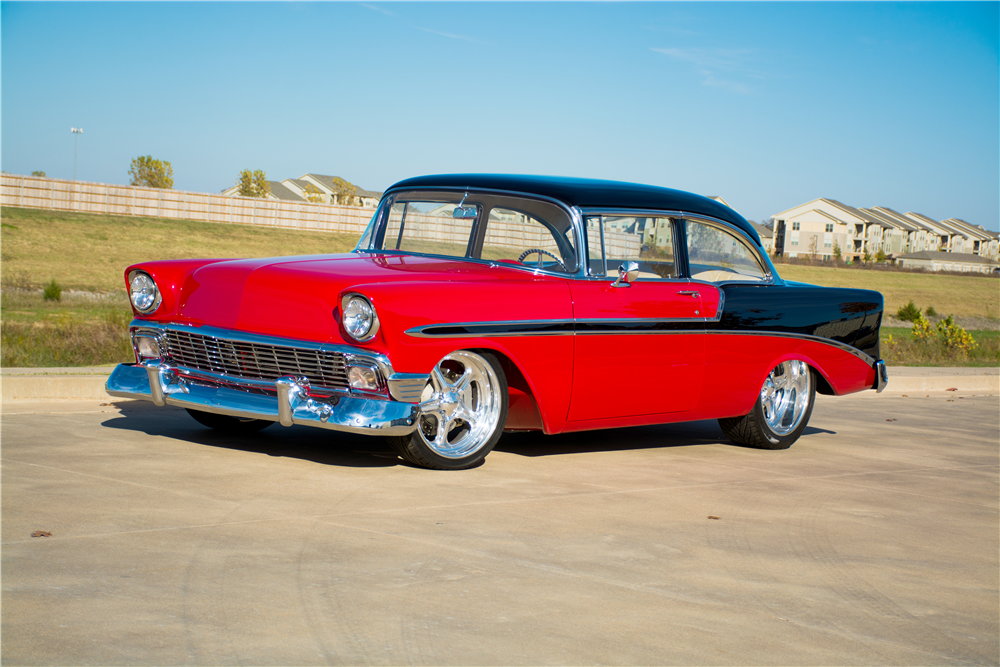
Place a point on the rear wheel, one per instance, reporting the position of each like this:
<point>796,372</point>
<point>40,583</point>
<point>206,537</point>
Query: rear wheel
<point>228,424</point>
<point>462,413</point>
<point>781,412</point>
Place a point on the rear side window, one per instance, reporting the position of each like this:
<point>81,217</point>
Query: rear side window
<point>717,255</point>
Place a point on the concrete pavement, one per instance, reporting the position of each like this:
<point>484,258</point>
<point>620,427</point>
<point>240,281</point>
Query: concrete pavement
<point>873,540</point>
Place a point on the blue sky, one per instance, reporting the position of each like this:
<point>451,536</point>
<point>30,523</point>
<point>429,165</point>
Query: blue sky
<point>768,104</point>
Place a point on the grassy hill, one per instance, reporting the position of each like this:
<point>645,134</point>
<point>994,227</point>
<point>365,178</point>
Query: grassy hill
<point>89,251</point>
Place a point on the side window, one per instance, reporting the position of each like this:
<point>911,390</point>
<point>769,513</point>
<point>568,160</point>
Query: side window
<point>510,235</point>
<point>716,255</point>
<point>646,240</point>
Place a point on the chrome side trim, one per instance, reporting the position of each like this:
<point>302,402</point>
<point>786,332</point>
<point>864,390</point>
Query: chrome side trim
<point>816,339</point>
<point>581,327</point>
<point>493,329</point>
<point>287,402</point>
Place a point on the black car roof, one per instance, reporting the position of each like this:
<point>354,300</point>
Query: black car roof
<point>586,192</point>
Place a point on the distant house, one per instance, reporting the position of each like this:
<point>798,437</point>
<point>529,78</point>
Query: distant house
<point>766,237</point>
<point>309,186</point>
<point>815,227</point>
<point>947,261</point>
<point>278,192</point>
<point>328,189</point>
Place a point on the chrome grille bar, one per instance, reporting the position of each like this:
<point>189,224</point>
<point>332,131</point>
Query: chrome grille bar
<point>255,360</point>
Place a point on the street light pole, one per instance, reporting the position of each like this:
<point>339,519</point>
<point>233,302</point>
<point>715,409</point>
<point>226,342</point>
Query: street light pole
<point>77,131</point>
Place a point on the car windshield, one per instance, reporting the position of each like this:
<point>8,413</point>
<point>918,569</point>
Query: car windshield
<point>520,231</point>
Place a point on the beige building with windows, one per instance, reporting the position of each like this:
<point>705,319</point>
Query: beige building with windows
<point>315,187</point>
<point>818,227</point>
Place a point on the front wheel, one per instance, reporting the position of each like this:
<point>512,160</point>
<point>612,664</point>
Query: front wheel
<point>781,412</point>
<point>461,413</point>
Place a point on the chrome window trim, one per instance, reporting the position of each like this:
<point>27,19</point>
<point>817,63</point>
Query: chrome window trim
<point>576,222</point>
<point>771,276</point>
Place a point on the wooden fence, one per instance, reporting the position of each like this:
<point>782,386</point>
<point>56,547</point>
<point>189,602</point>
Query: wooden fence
<point>59,195</point>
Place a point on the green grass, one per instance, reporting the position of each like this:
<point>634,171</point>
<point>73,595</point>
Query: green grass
<point>90,251</point>
<point>78,330</point>
<point>963,296</point>
<point>900,348</point>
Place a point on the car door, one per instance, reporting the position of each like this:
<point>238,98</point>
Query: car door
<point>640,345</point>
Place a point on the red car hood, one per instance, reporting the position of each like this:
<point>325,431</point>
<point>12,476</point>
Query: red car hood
<point>299,297</point>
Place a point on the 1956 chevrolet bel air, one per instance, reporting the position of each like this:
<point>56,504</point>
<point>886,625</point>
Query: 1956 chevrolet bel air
<point>475,304</point>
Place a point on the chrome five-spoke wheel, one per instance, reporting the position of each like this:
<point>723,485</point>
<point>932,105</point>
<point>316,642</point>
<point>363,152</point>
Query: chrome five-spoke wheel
<point>781,412</point>
<point>462,412</point>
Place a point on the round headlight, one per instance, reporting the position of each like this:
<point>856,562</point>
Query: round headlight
<point>359,318</point>
<point>142,290</point>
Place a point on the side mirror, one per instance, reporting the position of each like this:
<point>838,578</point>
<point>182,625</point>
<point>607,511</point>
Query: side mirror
<point>627,273</point>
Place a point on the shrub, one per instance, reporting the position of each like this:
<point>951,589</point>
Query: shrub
<point>955,337</point>
<point>922,329</point>
<point>930,312</point>
<point>908,313</point>
<point>53,291</point>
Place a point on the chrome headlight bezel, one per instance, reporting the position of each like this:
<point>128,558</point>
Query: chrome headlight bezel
<point>358,317</point>
<point>143,295</point>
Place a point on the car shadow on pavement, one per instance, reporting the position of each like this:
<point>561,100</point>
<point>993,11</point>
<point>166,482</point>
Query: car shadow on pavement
<point>683,434</point>
<point>299,442</point>
<point>363,451</point>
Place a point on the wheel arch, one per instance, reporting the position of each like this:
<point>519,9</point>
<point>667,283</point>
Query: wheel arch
<point>523,410</point>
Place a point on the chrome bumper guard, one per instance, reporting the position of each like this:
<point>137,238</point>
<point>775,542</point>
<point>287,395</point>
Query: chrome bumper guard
<point>290,404</point>
<point>881,376</point>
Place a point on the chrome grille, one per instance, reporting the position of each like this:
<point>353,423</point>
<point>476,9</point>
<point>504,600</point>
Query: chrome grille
<point>255,360</point>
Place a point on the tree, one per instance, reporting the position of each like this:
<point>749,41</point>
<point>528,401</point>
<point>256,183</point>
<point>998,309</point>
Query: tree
<point>344,191</point>
<point>867,256</point>
<point>880,256</point>
<point>813,247</point>
<point>40,174</point>
<point>313,194</point>
<point>253,184</point>
<point>837,252</point>
<point>151,173</point>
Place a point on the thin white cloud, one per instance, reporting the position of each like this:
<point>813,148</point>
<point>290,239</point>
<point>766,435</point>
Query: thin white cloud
<point>736,62</point>
<point>446,34</point>
<point>378,9</point>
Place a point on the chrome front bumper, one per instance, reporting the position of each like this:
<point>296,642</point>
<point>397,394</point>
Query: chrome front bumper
<point>289,403</point>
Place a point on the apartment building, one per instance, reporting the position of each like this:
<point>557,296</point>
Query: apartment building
<point>817,227</point>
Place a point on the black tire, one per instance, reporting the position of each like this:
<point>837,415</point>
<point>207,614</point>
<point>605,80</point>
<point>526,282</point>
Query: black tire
<point>228,424</point>
<point>781,412</point>
<point>467,394</point>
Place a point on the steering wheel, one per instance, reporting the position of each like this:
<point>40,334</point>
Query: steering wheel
<point>540,253</point>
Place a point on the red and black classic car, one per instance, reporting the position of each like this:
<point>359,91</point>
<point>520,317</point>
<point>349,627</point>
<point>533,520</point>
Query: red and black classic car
<point>475,304</point>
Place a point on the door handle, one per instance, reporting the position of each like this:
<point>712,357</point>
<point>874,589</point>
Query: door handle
<point>691,293</point>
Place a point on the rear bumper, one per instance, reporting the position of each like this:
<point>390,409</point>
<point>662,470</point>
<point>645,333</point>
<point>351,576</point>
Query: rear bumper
<point>285,400</point>
<point>881,376</point>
